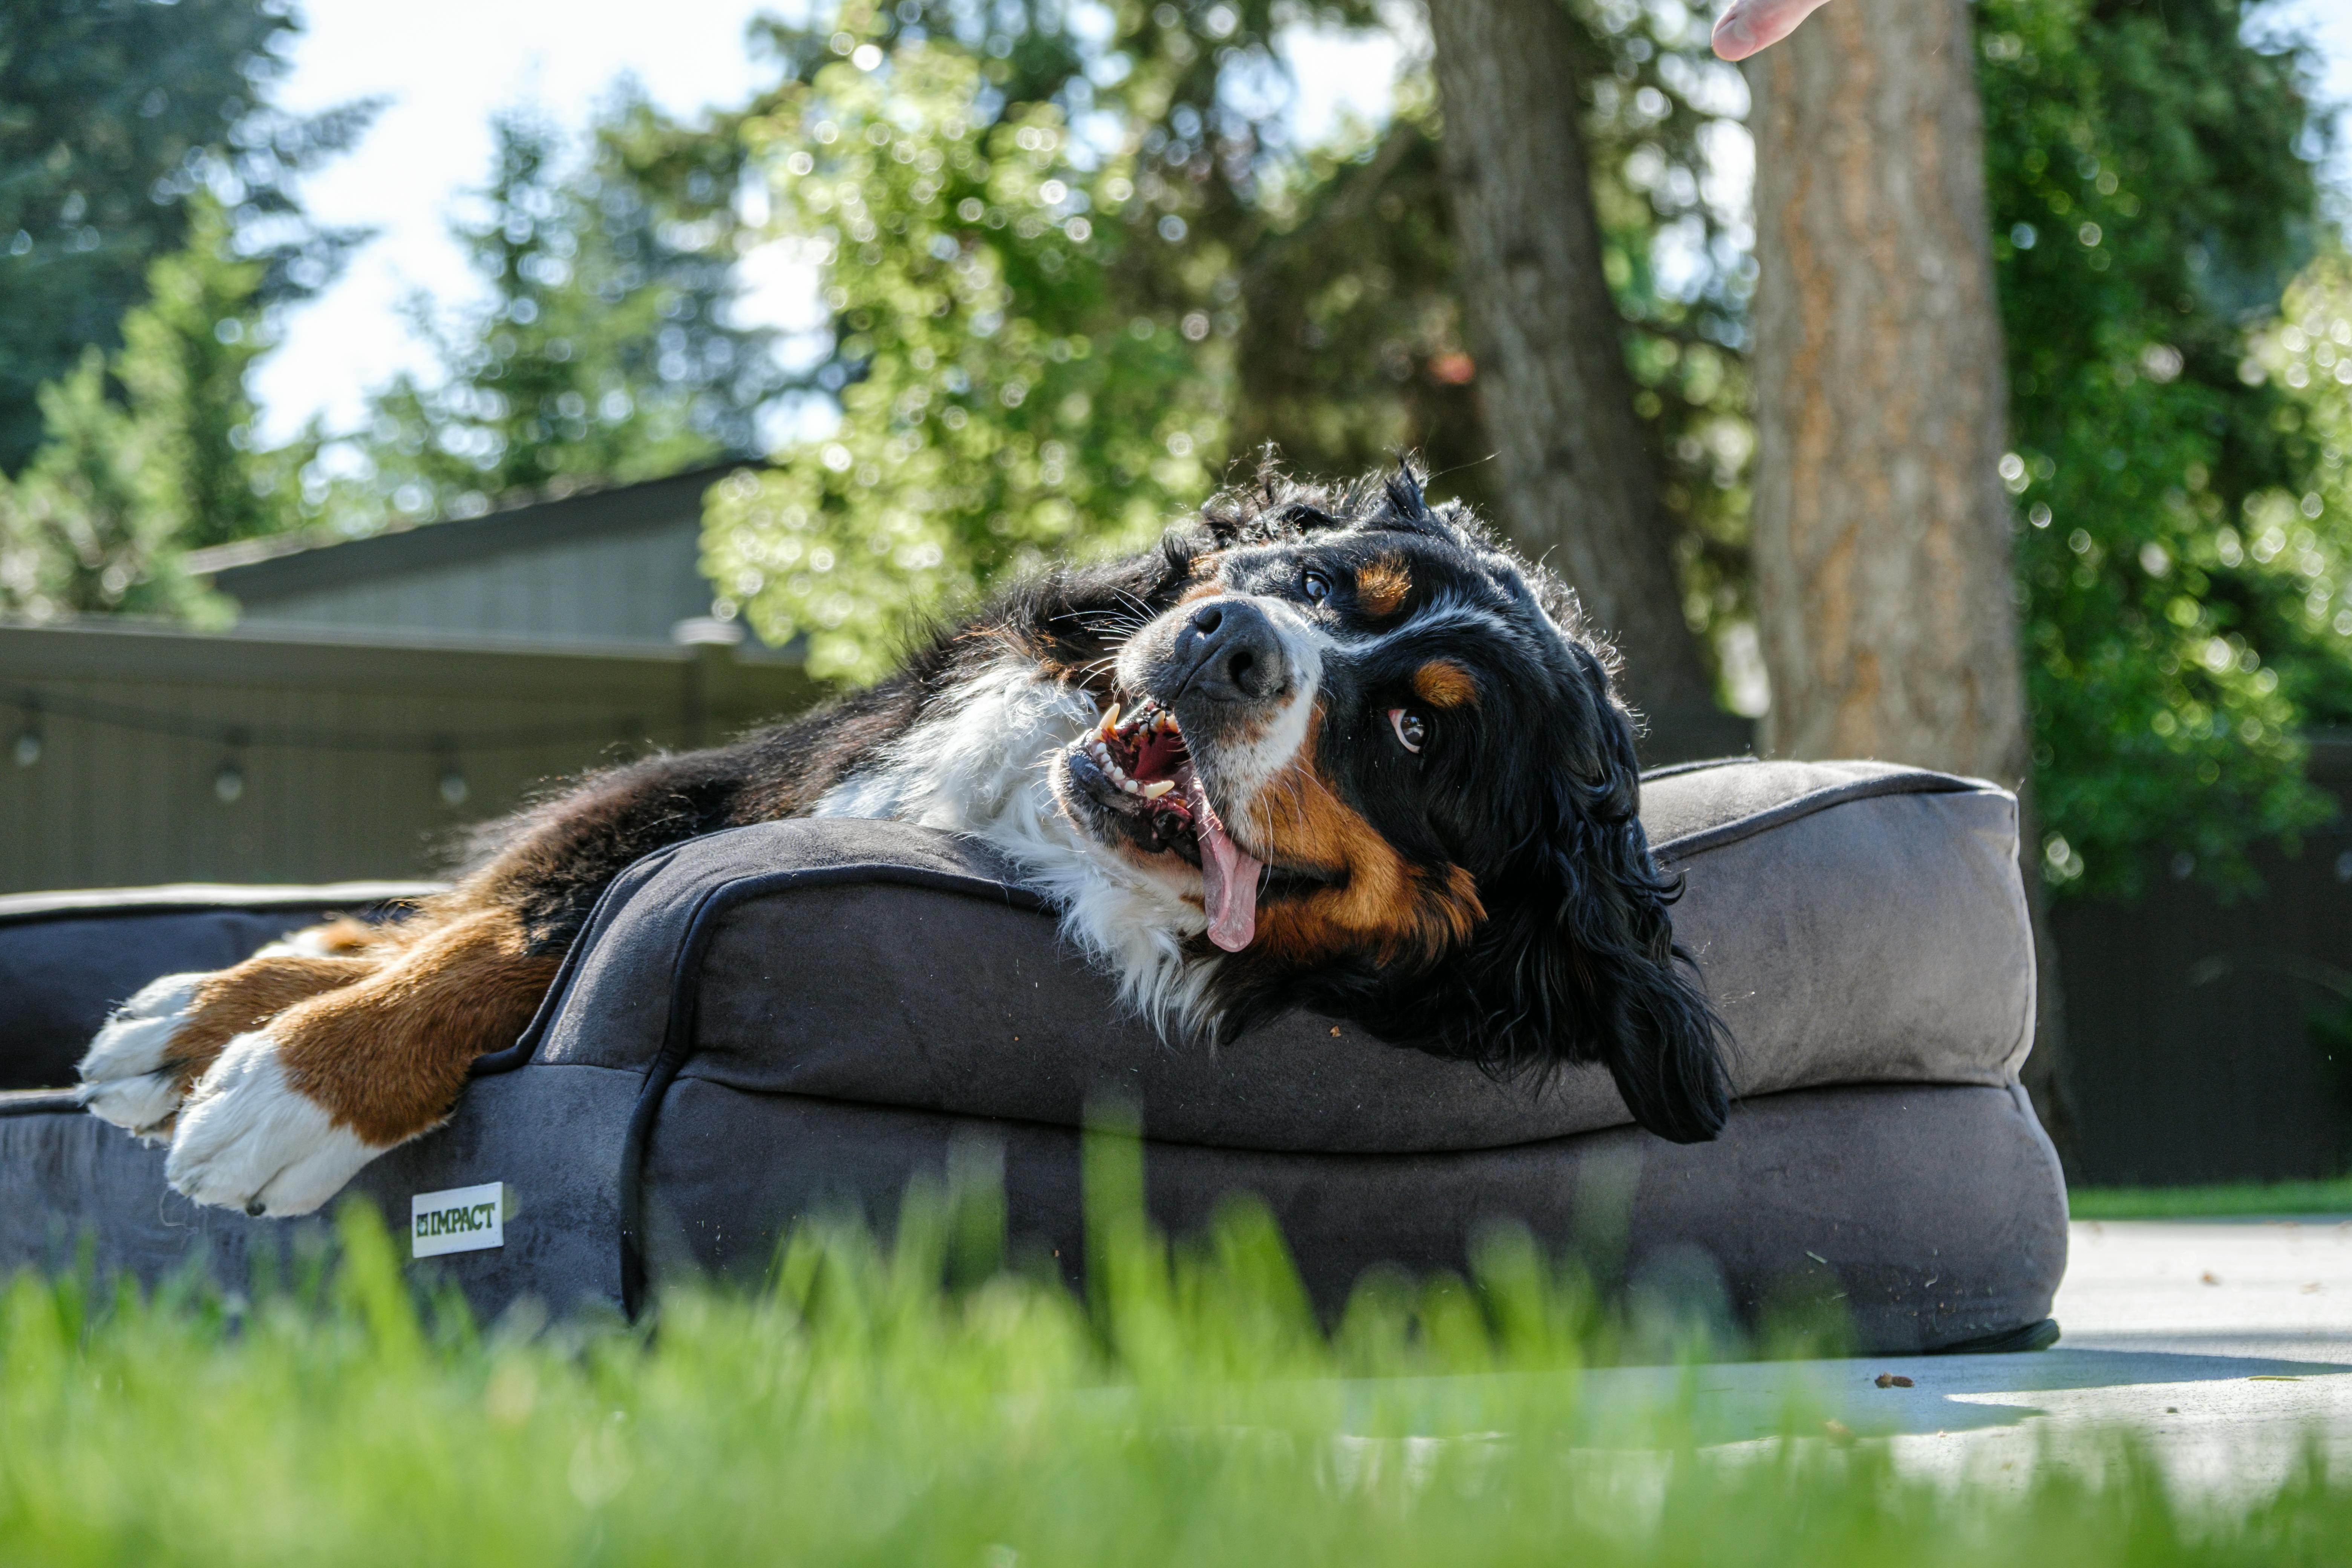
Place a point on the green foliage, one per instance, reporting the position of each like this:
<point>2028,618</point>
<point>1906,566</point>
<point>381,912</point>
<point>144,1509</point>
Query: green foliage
<point>1216,290</point>
<point>147,188</point>
<point>608,354</point>
<point>185,354</point>
<point>152,452</point>
<point>1357,346</point>
<point>875,1406</point>
<point>2304,530</point>
<point>1006,404</point>
<point>87,526</point>
<point>1122,204</point>
<point>1320,279</point>
<point>115,112</point>
<point>2148,200</point>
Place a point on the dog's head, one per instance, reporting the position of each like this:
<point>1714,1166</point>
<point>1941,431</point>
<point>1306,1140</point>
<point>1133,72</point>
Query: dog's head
<point>1381,753</point>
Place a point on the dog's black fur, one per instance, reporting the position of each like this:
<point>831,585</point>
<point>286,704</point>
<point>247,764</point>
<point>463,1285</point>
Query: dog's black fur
<point>1532,790</point>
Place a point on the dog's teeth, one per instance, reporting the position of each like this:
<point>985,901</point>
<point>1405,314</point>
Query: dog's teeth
<point>1111,720</point>
<point>1130,786</point>
<point>1154,790</point>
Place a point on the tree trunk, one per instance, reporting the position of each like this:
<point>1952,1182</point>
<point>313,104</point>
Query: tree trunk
<point>1884,584</point>
<point>1578,477</point>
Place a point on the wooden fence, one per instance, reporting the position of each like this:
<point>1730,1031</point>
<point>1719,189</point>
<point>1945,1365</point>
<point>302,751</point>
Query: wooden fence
<point>136,756</point>
<point>2199,1029</point>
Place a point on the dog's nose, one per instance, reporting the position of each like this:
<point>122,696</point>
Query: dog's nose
<point>1230,654</point>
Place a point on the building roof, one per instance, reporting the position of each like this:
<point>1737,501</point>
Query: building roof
<point>256,570</point>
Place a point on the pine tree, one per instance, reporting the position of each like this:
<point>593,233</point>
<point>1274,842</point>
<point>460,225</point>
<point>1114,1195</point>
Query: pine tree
<point>150,453</point>
<point>185,358</point>
<point>90,525</point>
<point>609,352</point>
<point>117,110</point>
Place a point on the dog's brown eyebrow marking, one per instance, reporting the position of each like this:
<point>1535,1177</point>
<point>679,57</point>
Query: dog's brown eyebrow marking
<point>1382,585</point>
<point>1402,911</point>
<point>1442,683</point>
<point>1207,578</point>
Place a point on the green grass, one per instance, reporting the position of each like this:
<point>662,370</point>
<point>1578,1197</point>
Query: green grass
<point>914,1403</point>
<point>2328,1197</point>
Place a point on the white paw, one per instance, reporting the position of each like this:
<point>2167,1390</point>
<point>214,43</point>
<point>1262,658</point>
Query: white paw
<point>248,1140</point>
<point>124,1077</point>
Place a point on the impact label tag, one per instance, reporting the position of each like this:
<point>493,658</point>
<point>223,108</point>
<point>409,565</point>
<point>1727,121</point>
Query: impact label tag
<point>463,1219</point>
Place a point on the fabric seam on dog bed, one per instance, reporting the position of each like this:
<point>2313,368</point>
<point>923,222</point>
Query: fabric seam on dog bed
<point>677,1034</point>
<point>2003,1085</point>
<point>1916,782</point>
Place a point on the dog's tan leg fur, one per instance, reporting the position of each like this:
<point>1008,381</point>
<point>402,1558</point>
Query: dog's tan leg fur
<point>386,1055</point>
<point>247,996</point>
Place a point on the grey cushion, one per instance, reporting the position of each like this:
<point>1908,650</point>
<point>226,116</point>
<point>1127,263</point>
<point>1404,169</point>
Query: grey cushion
<point>67,960</point>
<point>765,1023</point>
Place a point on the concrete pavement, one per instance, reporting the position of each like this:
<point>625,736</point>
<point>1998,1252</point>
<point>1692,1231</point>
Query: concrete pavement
<point>2224,1345</point>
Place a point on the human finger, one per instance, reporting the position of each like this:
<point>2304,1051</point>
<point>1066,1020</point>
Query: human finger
<point>1747,25</point>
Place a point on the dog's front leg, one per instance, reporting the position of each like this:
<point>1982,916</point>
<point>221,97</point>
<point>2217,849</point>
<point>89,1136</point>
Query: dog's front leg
<point>291,1109</point>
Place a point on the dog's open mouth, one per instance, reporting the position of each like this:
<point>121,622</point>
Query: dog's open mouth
<point>1136,768</point>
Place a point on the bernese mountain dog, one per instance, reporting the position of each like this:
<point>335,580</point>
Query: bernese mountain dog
<point>1336,749</point>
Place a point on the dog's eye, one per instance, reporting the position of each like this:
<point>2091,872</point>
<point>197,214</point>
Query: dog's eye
<point>1315,587</point>
<point>1412,729</point>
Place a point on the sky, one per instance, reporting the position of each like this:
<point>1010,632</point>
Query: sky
<point>447,67</point>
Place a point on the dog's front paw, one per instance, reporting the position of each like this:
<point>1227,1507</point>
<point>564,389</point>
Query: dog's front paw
<point>128,1076</point>
<point>248,1140</point>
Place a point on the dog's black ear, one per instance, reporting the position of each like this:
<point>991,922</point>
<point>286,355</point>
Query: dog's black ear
<point>1403,491</point>
<point>1577,960</point>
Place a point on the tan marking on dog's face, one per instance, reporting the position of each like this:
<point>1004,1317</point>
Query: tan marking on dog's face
<point>1382,586</point>
<point>1199,591</point>
<point>386,1057</point>
<point>1208,578</point>
<point>1441,683</point>
<point>1383,903</point>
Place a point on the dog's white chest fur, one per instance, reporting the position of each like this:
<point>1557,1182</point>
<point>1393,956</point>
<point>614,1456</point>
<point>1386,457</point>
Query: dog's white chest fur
<point>982,765</point>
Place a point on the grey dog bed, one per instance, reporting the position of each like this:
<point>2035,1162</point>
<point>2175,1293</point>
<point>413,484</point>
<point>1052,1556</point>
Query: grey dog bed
<point>799,1017</point>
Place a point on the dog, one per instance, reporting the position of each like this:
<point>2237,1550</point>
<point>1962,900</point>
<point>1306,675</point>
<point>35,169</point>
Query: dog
<point>1330,748</point>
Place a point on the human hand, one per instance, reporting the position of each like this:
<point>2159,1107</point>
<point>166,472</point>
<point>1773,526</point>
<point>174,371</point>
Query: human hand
<point>1747,25</point>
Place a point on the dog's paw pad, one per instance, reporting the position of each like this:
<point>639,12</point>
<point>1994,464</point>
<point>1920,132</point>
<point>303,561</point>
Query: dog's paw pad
<point>248,1140</point>
<point>126,1076</point>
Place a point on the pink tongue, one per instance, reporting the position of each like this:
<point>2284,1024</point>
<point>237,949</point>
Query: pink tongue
<point>1228,882</point>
